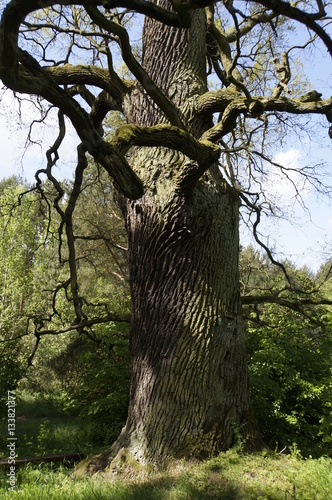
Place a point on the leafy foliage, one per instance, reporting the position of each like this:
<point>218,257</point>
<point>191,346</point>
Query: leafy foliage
<point>20,233</point>
<point>290,366</point>
<point>86,373</point>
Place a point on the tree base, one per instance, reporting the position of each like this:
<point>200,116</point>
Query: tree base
<point>122,454</point>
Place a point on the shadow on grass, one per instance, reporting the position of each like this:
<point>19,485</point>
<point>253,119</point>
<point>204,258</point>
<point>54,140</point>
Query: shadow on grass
<point>181,489</point>
<point>43,486</point>
<point>252,478</point>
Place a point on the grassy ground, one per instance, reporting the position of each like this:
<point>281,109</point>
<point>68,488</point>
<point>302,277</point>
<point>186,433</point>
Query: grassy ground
<point>42,428</point>
<point>232,476</point>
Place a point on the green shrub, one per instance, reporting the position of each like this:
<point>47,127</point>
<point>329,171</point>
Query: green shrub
<point>291,380</point>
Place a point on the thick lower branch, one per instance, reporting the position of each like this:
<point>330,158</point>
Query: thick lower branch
<point>231,104</point>
<point>203,152</point>
<point>217,101</point>
<point>89,75</point>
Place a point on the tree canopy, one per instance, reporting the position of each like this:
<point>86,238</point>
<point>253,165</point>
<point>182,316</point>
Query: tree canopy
<point>248,51</point>
<point>79,58</point>
<point>183,104</point>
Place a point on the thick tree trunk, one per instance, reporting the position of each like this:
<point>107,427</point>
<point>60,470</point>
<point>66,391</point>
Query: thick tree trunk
<point>189,386</point>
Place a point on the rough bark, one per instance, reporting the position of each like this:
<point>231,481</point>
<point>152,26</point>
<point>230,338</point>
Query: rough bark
<point>189,385</point>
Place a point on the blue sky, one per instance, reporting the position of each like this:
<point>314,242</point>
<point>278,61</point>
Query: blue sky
<point>305,234</point>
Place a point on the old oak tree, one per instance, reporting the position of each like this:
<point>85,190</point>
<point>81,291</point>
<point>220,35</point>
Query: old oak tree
<point>202,101</point>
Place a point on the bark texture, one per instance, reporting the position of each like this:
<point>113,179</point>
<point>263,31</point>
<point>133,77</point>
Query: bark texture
<point>189,387</point>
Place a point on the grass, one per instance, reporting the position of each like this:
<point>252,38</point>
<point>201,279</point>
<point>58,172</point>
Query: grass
<point>231,475</point>
<point>43,428</point>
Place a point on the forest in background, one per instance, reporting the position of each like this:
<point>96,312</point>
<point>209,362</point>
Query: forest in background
<point>84,374</point>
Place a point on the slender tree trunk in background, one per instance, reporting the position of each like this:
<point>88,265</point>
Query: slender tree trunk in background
<point>189,385</point>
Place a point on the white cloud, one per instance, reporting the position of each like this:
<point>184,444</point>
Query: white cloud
<point>283,184</point>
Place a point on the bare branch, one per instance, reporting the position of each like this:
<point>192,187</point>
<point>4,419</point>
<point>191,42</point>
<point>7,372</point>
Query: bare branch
<point>34,350</point>
<point>67,218</point>
<point>308,19</point>
<point>232,74</point>
<point>257,210</point>
<point>295,304</point>
<point>284,74</point>
<point>261,17</point>
<point>117,318</point>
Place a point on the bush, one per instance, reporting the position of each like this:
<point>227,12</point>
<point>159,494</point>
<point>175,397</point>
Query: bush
<point>291,383</point>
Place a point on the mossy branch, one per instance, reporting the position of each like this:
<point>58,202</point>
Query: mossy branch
<point>231,104</point>
<point>89,75</point>
<point>204,152</point>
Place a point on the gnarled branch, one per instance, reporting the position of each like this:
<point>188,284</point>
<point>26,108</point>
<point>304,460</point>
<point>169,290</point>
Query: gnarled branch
<point>149,86</point>
<point>203,152</point>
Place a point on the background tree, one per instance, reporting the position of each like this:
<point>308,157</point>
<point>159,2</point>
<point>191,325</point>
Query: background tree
<point>289,354</point>
<point>20,230</point>
<point>189,378</point>
<point>66,367</point>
